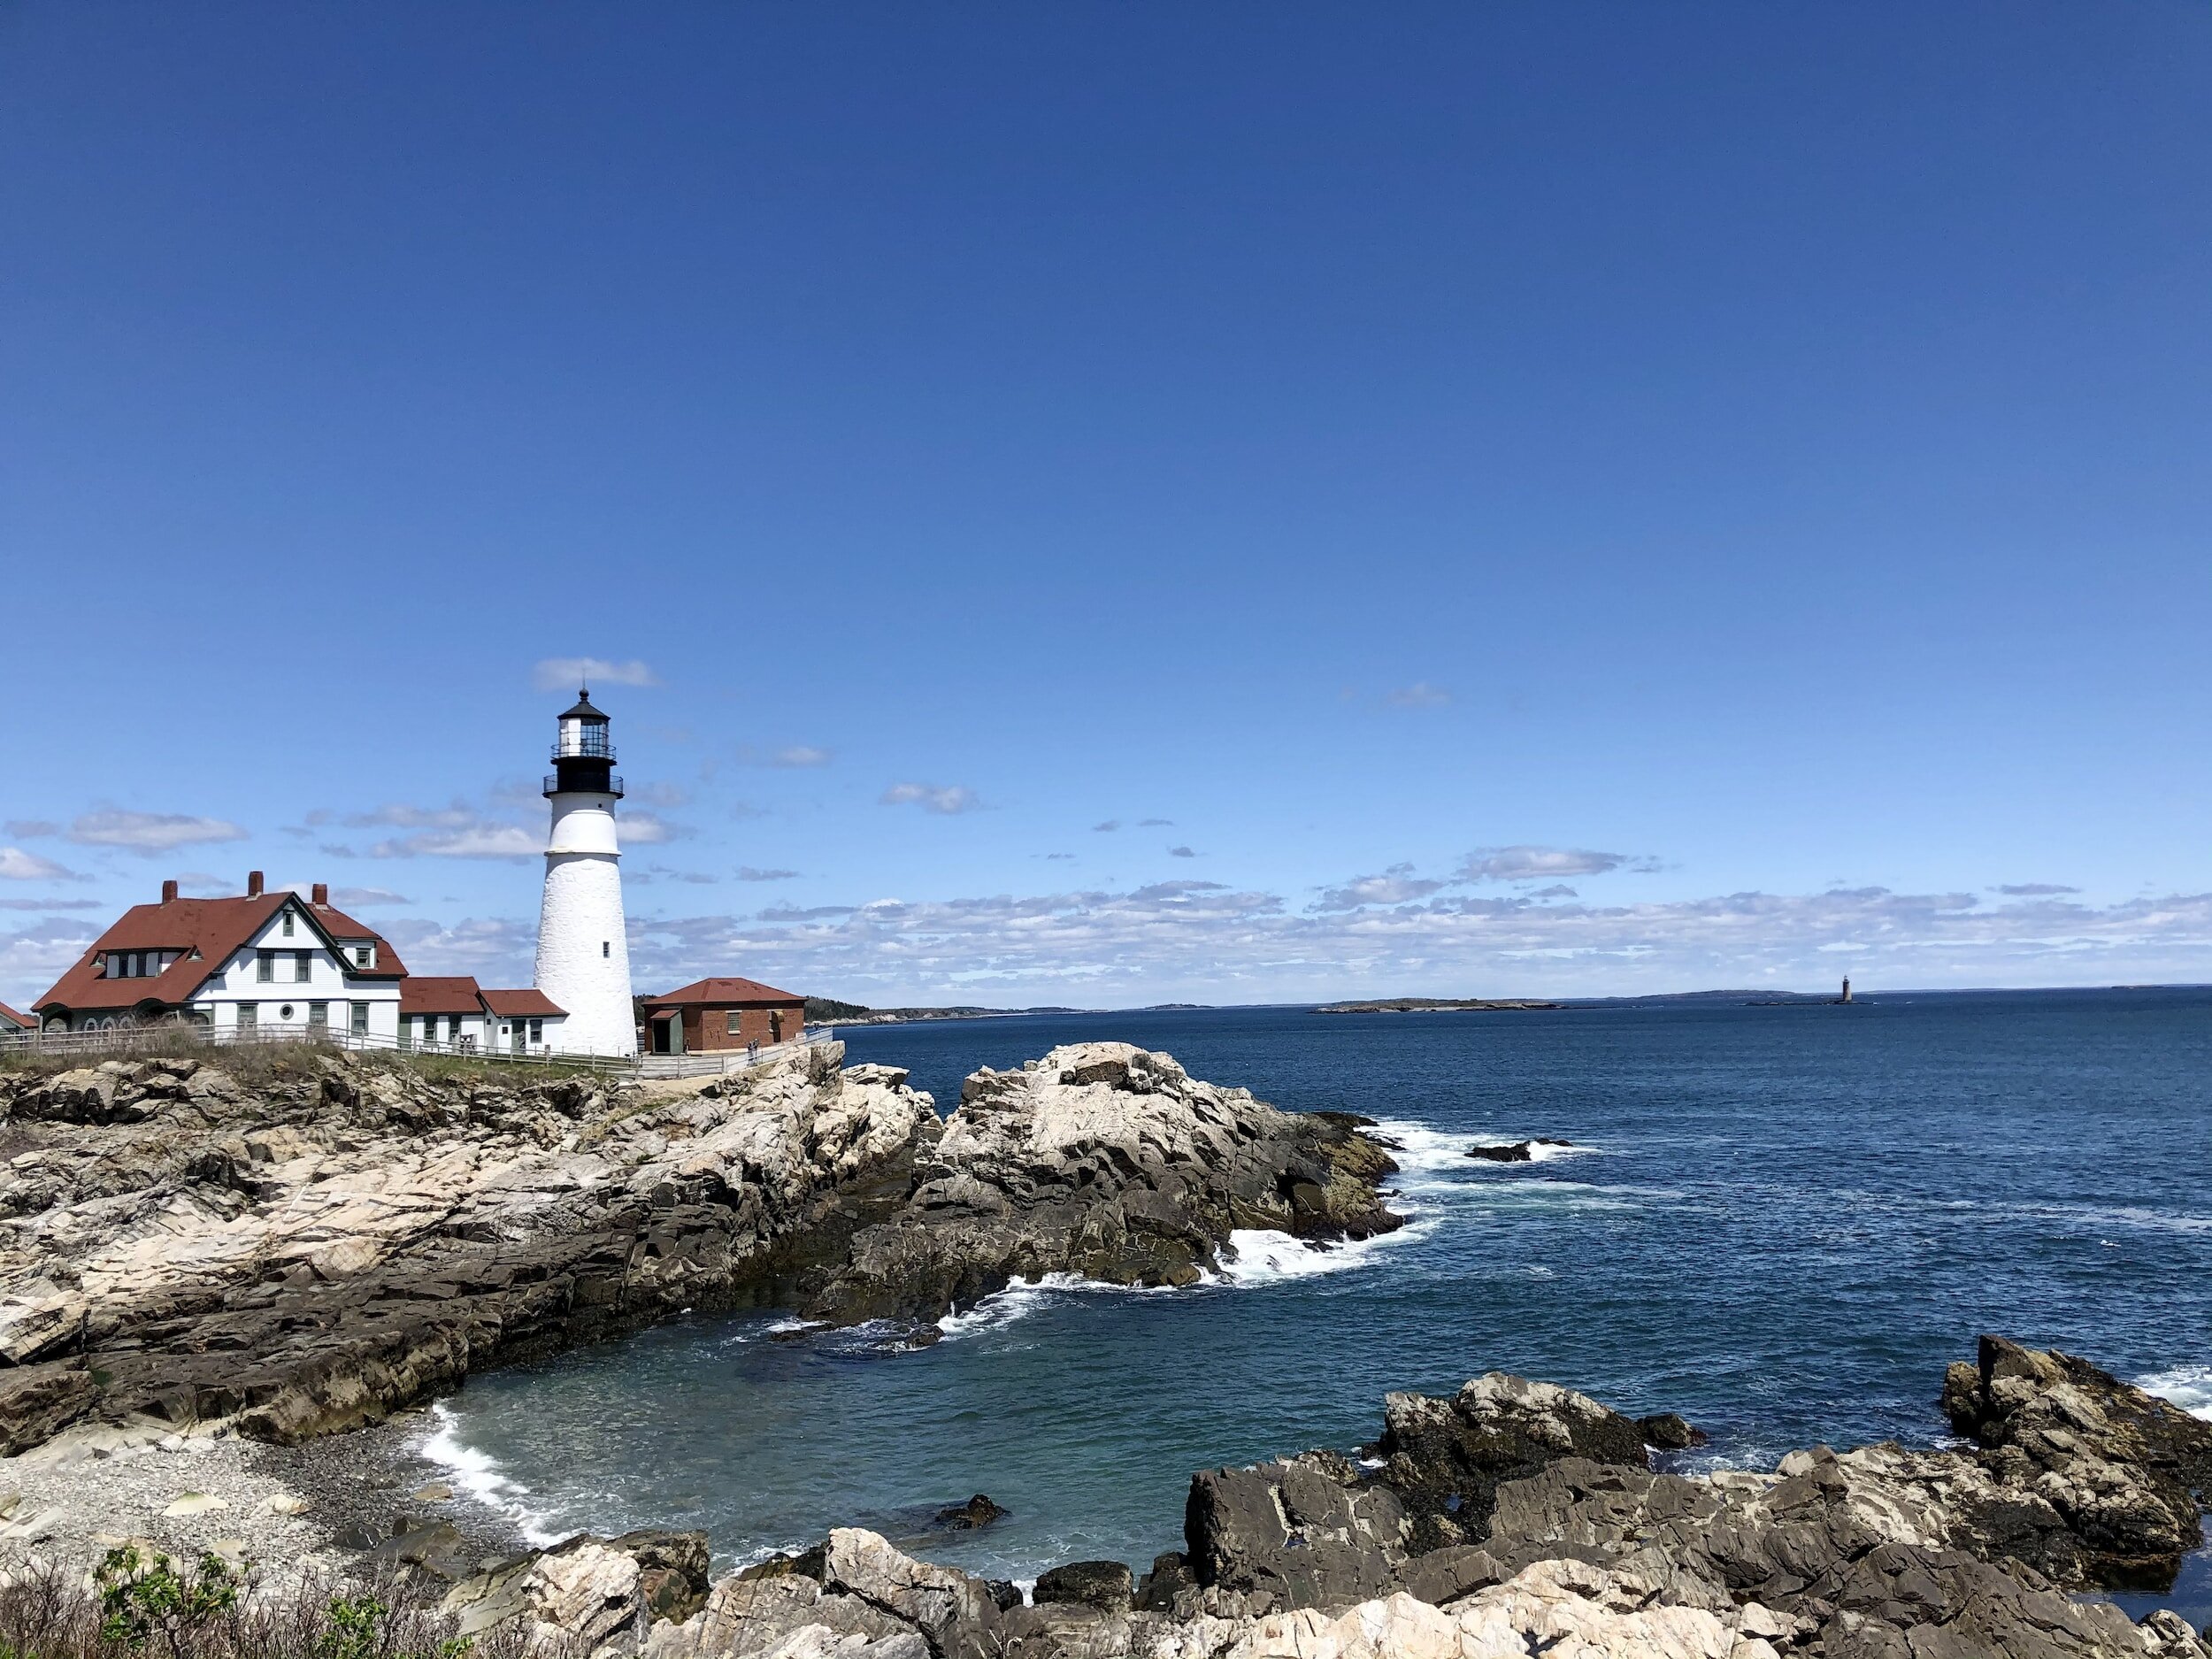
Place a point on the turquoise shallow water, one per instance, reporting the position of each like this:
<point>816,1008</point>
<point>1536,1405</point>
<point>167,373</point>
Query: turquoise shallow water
<point>1781,1222</point>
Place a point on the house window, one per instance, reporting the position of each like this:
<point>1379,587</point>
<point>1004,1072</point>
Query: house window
<point>265,966</point>
<point>302,966</point>
<point>360,1019</point>
<point>537,1031</point>
<point>288,923</point>
<point>736,1026</point>
<point>248,1016</point>
<point>318,1016</point>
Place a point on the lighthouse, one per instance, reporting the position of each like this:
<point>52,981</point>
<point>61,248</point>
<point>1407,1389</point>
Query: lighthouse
<point>583,952</point>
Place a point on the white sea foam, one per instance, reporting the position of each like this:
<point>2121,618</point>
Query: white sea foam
<point>1259,1258</point>
<point>1420,1150</point>
<point>477,1474</point>
<point>2188,1387</point>
<point>1021,1298</point>
<point>1415,1145</point>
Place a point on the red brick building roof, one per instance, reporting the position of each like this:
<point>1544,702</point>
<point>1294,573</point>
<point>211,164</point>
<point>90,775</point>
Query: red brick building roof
<point>205,933</point>
<point>723,994</point>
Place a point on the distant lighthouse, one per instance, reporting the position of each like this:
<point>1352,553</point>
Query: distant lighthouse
<point>583,953</point>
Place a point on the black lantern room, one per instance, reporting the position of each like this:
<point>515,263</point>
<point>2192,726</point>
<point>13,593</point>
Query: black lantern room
<point>583,757</point>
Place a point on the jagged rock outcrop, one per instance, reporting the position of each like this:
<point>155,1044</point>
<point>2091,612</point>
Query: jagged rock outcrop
<point>306,1253</point>
<point>861,1598</point>
<point>1876,1551</point>
<point>1109,1161</point>
<point>2125,1471</point>
<point>588,1593</point>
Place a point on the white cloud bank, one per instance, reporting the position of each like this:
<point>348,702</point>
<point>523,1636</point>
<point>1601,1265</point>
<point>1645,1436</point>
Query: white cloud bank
<point>1208,941</point>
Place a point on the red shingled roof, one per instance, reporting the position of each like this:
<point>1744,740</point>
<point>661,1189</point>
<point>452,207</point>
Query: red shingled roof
<point>8,1016</point>
<point>430,993</point>
<point>522,1004</point>
<point>217,929</point>
<point>419,994</point>
<point>723,993</point>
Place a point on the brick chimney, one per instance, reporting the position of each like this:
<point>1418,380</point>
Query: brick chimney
<point>319,895</point>
<point>168,892</point>
<point>253,884</point>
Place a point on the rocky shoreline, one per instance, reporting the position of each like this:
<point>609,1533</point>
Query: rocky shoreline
<point>202,1282</point>
<point>311,1252</point>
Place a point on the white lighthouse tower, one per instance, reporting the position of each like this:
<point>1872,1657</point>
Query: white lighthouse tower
<point>583,952</point>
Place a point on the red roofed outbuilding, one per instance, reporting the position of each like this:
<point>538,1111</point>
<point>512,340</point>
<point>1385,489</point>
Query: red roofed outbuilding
<point>711,1013</point>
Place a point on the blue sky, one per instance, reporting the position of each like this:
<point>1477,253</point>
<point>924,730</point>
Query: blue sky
<point>1482,499</point>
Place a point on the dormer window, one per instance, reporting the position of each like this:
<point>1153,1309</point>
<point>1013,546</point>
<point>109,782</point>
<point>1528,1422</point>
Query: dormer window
<point>364,955</point>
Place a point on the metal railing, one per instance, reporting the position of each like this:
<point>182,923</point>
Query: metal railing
<point>553,785</point>
<point>724,1062</point>
<point>171,1037</point>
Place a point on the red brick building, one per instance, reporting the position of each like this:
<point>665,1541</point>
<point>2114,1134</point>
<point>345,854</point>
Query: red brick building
<point>711,1013</point>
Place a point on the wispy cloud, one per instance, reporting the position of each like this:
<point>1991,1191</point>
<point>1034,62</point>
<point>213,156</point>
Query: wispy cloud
<point>2035,890</point>
<point>17,865</point>
<point>473,840</point>
<point>650,829</point>
<point>1107,828</point>
<point>31,828</point>
<point>1419,695</point>
<point>669,796</point>
<point>366,898</point>
<point>150,833</point>
<point>397,815</point>
<point>932,797</point>
<point>746,872</point>
<point>1397,885</point>
<point>560,673</point>
<point>1155,823</point>
<point>788,756</point>
<point>1180,852</point>
<point>1542,864</point>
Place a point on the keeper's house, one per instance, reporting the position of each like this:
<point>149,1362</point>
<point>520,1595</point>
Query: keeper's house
<point>269,959</point>
<point>13,1019</point>
<point>278,963</point>
<point>710,1014</point>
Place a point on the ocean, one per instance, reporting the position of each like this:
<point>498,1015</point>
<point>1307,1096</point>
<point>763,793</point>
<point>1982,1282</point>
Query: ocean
<point>1781,1222</point>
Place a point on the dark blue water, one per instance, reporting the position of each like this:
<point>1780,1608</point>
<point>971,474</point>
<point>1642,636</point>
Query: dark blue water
<point>1781,1222</point>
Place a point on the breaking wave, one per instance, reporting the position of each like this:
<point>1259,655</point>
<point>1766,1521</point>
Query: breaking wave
<point>2188,1387</point>
<point>477,1475</point>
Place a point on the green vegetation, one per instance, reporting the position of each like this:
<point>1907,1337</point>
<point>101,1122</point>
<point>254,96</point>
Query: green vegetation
<point>144,1605</point>
<point>822,1009</point>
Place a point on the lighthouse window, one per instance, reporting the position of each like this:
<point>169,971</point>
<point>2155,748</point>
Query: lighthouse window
<point>605,949</point>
